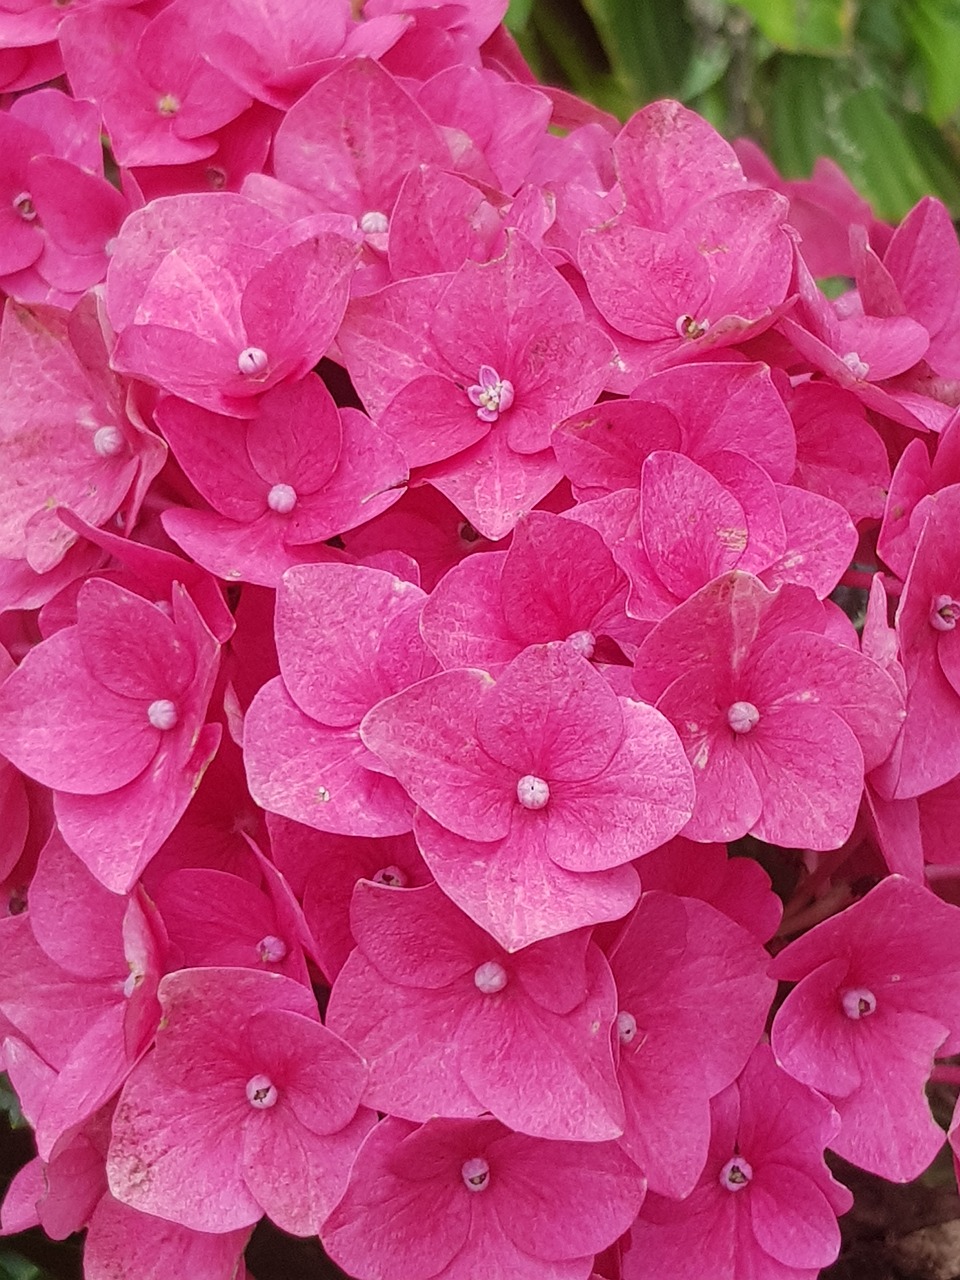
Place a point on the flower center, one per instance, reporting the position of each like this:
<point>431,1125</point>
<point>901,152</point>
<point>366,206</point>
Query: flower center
<point>374,223</point>
<point>533,792</point>
<point>858,1002</point>
<point>735,1174</point>
<point>391,876</point>
<point>261,1092</point>
<point>584,642</point>
<point>216,177</point>
<point>490,977</point>
<point>162,713</point>
<point>690,327</point>
<point>944,613</point>
<point>492,395</point>
<point>859,368</point>
<point>466,532</point>
<point>107,441</point>
<point>271,950</point>
<point>475,1174</point>
<point>23,203</point>
<point>132,982</point>
<point>251,361</point>
<point>168,104</point>
<point>282,498</point>
<point>626,1027</point>
<point>742,717</point>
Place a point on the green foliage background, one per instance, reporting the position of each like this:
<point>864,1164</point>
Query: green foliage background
<point>875,84</point>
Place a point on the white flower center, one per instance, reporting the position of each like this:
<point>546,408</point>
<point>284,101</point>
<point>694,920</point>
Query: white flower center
<point>162,713</point>
<point>533,792</point>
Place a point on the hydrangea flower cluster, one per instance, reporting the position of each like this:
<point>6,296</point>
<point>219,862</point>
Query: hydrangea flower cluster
<point>423,503</point>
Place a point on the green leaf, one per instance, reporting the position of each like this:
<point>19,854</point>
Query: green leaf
<point>933,27</point>
<point>648,42</point>
<point>804,26</point>
<point>10,1103</point>
<point>518,15</point>
<point>13,1266</point>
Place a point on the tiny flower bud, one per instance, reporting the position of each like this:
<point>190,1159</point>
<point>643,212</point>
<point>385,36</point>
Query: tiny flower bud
<point>742,717</point>
<point>261,1092</point>
<point>168,104</point>
<point>492,395</point>
<point>735,1174</point>
<point>271,950</point>
<point>475,1174</point>
<point>251,361</point>
<point>162,714</point>
<point>391,876</point>
<point>107,441</point>
<point>23,203</point>
<point>626,1027</point>
<point>858,1002</point>
<point>690,327</point>
<point>859,368</point>
<point>533,792</point>
<point>585,643</point>
<point>374,223</point>
<point>282,498</point>
<point>944,613</point>
<point>490,977</point>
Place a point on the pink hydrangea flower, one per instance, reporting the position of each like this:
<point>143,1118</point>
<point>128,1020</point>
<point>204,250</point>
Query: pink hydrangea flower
<point>558,581</point>
<point>91,452</point>
<point>110,714</point>
<point>246,1105</point>
<point>217,300</point>
<point>307,472</point>
<point>451,1024</point>
<point>877,996</point>
<point>778,721</point>
<point>765,1205</point>
<point>451,1199</point>
<point>693,997</point>
<point>471,371</point>
<point>537,790</point>
<point>347,636</point>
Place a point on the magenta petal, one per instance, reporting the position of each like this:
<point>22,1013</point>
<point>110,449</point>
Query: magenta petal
<point>427,736</point>
<point>556,1078</point>
<point>335,664</point>
<point>514,892</point>
<point>130,645</point>
<point>297,1176</point>
<point>643,281</point>
<point>792,1219</point>
<point>669,158</point>
<point>432,418</point>
<point>395,1226</point>
<point>122,1244</point>
<point>255,552</point>
<point>551,714</point>
<point>809,768</point>
<point>811,1037</point>
<point>52,702</point>
<point>493,486</point>
<point>177,1152</point>
<point>316,774</point>
<point>693,527</point>
<point>392,931</point>
<point>410,1039</point>
<point>117,835</point>
<point>641,799</point>
<point>462,619</point>
<point>560,1200</point>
